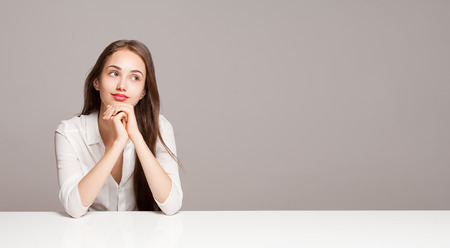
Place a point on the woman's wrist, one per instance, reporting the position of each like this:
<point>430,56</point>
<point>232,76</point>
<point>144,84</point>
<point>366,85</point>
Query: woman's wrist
<point>120,143</point>
<point>135,136</point>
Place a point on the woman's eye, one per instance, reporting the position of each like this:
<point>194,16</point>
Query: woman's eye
<point>113,73</point>
<point>135,78</point>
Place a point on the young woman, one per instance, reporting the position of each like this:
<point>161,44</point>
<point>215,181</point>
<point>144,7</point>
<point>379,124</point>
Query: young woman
<point>119,153</point>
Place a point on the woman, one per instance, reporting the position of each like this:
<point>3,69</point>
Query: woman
<point>119,153</point>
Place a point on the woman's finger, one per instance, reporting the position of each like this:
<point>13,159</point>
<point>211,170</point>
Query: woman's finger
<point>121,109</point>
<point>119,116</point>
<point>111,112</point>
<point>107,113</point>
<point>116,111</point>
<point>108,108</point>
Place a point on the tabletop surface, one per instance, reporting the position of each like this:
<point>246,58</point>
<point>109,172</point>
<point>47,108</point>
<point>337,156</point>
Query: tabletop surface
<point>228,229</point>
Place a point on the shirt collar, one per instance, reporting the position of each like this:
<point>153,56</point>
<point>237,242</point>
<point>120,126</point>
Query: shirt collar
<point>92,131</point>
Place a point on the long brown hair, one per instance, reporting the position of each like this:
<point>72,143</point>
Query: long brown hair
<point>146,111</point>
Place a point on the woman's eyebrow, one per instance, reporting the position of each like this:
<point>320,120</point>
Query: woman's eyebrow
<point>118,68</point>
<point>115,66</point>
<point>138,72</point>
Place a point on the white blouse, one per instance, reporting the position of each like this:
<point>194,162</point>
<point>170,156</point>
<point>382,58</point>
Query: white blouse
<point>78,148</point>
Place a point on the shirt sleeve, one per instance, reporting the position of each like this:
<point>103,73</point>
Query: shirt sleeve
<point>174,201</point>
<point>69,175</point>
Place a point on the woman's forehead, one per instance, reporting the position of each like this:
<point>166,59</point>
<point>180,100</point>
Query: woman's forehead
<point>126,60</point>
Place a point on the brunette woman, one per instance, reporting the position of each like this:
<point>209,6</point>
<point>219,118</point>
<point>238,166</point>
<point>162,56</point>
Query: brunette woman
<point>119,153</point>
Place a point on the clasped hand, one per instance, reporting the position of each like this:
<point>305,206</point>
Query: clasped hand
<point>124,121</point>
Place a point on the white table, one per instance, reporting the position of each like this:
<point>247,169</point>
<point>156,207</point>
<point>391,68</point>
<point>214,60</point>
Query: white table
<point>228,229</point>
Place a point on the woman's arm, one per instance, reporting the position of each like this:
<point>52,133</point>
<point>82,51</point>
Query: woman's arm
<point>92,183</point>
<point>69,174</point>
<point>158,180</point>
<point>161,172</point>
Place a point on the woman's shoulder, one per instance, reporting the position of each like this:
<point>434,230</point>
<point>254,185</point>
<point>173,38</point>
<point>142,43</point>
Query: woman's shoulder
<point>164,123</point>
<point>74,124</point>
<point>167,134</point>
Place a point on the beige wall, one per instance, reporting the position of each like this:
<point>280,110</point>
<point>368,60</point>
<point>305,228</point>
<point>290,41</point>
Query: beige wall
<point>275,104</point>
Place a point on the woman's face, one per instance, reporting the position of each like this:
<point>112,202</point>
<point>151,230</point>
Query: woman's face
<point>122,79</point>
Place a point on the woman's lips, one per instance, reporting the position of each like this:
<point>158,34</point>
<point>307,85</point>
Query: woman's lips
<point>120,97</point>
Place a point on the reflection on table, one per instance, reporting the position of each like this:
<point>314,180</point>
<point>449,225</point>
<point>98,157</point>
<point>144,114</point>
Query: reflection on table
<point>227,229</point>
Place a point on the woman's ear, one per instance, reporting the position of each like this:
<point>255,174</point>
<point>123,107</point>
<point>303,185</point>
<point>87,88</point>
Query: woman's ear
<point>96,86</point>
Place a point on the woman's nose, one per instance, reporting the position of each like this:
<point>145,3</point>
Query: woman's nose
<point>122,84</point>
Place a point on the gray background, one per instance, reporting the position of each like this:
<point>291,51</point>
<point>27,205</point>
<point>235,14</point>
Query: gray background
<point>276,105</point>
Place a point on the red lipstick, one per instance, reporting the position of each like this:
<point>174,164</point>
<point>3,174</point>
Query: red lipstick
<point>120,97</point>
